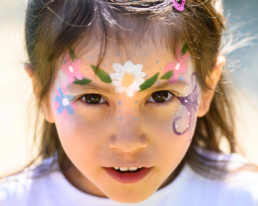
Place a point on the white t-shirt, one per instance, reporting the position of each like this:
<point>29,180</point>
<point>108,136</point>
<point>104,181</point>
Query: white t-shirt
<point>188,189</point>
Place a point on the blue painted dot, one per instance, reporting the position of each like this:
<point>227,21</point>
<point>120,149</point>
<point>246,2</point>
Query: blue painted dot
<point>120,118</point>
<point>191,57</point>
<point>157,82</point>
<point>104,54</point>
<point>148,67</point>
<point>160,69</point>
<point>145,55</point>
<point>105,65</point>
<point>91,58</point>
<point>64,62</point>
<point>118,54</point>
<point>119,103</point>
<point>136,102</point>
<point>146,76</point>
<point>157,62</point>
<point>135,111</point>
<point>94,83</point>
<point>181,78</point>
<point>119,111</point>
<point>135,118</point>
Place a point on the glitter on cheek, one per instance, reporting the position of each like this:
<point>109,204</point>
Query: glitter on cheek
<point>191,104</point>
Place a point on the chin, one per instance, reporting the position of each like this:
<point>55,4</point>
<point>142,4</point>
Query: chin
<point>130,197</point>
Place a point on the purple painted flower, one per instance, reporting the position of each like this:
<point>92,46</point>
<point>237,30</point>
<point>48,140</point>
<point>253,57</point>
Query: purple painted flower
<point>63,105</point>
<point>191,104</point>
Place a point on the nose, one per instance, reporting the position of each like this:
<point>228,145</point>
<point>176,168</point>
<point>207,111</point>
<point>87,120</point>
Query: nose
<point>129,136</point>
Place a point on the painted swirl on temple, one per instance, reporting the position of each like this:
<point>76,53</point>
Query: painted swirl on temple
<point>191,104</point>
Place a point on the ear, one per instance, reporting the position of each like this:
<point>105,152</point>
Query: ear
<point>212,82</point>
<point>45,105</point>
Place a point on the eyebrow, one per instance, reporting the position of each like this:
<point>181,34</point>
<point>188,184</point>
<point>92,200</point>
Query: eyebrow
<point>73,88</point>
<point>81,88</point>
<point>167,85</point>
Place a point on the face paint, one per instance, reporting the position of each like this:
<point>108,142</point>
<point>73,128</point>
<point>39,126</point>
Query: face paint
<point>191,104</point>
<point>71,67</point>
<point>63,104</point>
<point>179,67</point>
<point>102,75</point>
<point>127,78</point>
<point>149,82</point>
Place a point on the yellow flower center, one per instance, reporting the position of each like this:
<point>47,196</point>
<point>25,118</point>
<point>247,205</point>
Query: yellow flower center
<point>127,80</point>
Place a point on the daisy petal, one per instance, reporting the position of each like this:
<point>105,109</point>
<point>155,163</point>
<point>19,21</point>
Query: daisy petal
<point>140,75</point>
<point>130,92</point>
<point>120,89</point>
<point>138,68</point>
<point>118,68</point>
<point>129,66</point>
<point>116,76</point>
<point>139,81</point>
<point>116,83</point>
<point>134,86</point>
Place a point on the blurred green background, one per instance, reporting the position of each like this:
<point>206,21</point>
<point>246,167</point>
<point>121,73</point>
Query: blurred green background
<point>15,86</point>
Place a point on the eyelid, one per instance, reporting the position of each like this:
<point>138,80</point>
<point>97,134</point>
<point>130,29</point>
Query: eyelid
<point>160,103</point>
<point>79,97</point>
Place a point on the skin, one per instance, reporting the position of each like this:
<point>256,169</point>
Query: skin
<point>95,137</point>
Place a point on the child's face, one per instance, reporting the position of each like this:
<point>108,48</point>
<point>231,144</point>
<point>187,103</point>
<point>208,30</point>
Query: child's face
<point>104,125</point>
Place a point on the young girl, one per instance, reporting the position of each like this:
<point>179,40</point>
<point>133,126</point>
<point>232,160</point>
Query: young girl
<point>134,105</point>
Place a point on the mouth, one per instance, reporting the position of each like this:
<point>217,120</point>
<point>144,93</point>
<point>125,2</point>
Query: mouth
<point>127,175</point>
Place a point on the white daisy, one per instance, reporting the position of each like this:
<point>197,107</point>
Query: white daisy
<point>127,78</point>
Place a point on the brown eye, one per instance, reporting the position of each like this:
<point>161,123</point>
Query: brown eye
<point>93,98</point>
<point>160,96</point>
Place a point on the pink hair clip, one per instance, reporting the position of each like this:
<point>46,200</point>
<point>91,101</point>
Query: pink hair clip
<point>178,6</point>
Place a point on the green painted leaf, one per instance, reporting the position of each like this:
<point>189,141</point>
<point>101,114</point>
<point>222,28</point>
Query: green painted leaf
<point>82,82</point>
<point>184,49</point>
<point>168,75</point>
<point>72,54</point>
<point>149,82</point>
<point>103,76</point>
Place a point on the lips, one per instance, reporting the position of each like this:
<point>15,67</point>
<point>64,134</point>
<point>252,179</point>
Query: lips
<point>128,177</point>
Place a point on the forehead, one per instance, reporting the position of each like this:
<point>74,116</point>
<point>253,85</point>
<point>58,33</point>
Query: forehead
<point>153,56</point>
<point>151,59</point>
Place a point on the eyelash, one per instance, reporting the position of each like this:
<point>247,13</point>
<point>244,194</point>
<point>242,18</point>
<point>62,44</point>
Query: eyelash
<point>163,103</point>
<point>156,103</point>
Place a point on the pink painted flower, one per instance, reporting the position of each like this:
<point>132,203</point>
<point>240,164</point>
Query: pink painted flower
<point>179,66</point>
<point>72,68</point>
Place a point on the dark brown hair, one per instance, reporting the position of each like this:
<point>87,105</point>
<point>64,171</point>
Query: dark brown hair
<point>52,26</point>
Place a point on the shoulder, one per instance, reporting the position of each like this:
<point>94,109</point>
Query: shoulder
<point>240,188</point>
<point>26,186</point>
